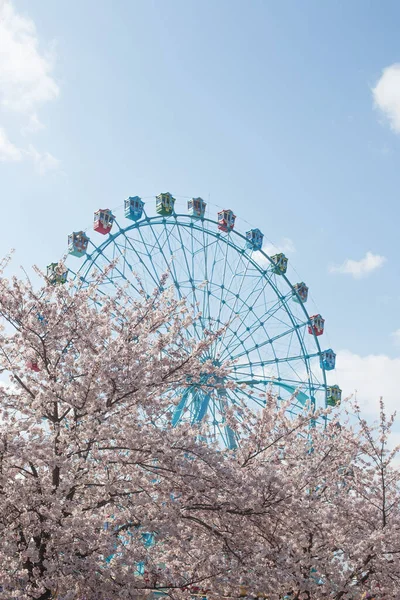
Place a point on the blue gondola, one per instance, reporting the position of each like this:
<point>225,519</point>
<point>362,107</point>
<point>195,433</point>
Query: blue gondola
<point>134,208</point>
<point>196,207</point>
<point>327,360</point>
<point>254,239</point>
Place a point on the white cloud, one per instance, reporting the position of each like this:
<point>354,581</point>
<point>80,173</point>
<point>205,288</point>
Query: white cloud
<point>360,268</point>
<point>8,152</point>
<point>286,246</point>
<point>25,72</point>
<point>26,83</point>
<point>370,377</point>
<point>386,95</point>
<point>43,161</point>
<point>34,125</point>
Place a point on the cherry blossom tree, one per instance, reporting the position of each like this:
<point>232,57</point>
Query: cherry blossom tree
<point>101,498</point>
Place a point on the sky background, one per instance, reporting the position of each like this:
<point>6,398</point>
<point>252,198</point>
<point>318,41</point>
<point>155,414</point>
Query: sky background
<point>287,112</point>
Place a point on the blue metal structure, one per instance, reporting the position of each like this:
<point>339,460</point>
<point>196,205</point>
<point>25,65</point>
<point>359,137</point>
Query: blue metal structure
<point>231,282</point>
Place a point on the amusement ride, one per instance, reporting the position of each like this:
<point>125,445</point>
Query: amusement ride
<point>232,284</point>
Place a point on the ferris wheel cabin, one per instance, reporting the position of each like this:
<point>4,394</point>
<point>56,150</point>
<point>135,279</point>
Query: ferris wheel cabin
<point>316,325</point>
<point>78,243</point>
<point>55,274</point>
<point>301,292</point>
<point>280,263</point>
<point>327,360</point>
<point>103,221</point>
<point>133,208</point>
<point>226,220</point>
<point>165,204</point>
<point>333,395</point>
<point>197,207</point>
<point>254,239</point>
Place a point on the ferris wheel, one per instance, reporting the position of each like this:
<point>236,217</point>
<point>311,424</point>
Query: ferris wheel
<point>226,276</point>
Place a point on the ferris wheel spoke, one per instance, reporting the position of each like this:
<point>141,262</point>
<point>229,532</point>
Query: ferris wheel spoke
<point>266,283</point>
<point>216,261</point>
<point>301,337</point>
<point>189,271</point>
<point>282,302</point>
<point>206,291</point>
<point>269,341</point>
<point>169,264</point>
<point>294,326</point>
<point>172,260</point>
<point>222,287</point>
<point>285,359</point>
<point>210,262</point>
<point>154,278</point>
<point>245,397</point>
<point>224,345</point>
<point>225,430</point>
<point>203,405</point>
<point>120,259</point>
<point>250,331</point>
<point>191,283</point>
<point>293,387</point>
<point>111,280</point>
<point>269,314</point>
<point>238,292</point>
<point>232,286</point>
<point>178,410</point>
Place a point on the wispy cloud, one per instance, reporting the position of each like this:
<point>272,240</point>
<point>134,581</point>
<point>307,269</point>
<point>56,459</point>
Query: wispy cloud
<point>370,377</point>
<point>43,161</point>
<point>286,245</point>
<point>25,73</point>
<point>26,83</point>
<point>360,268</point>
<point>8,151</point>
<point>386,95</point>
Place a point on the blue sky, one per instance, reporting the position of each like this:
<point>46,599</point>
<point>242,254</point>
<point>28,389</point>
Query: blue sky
<point>289,113</point>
